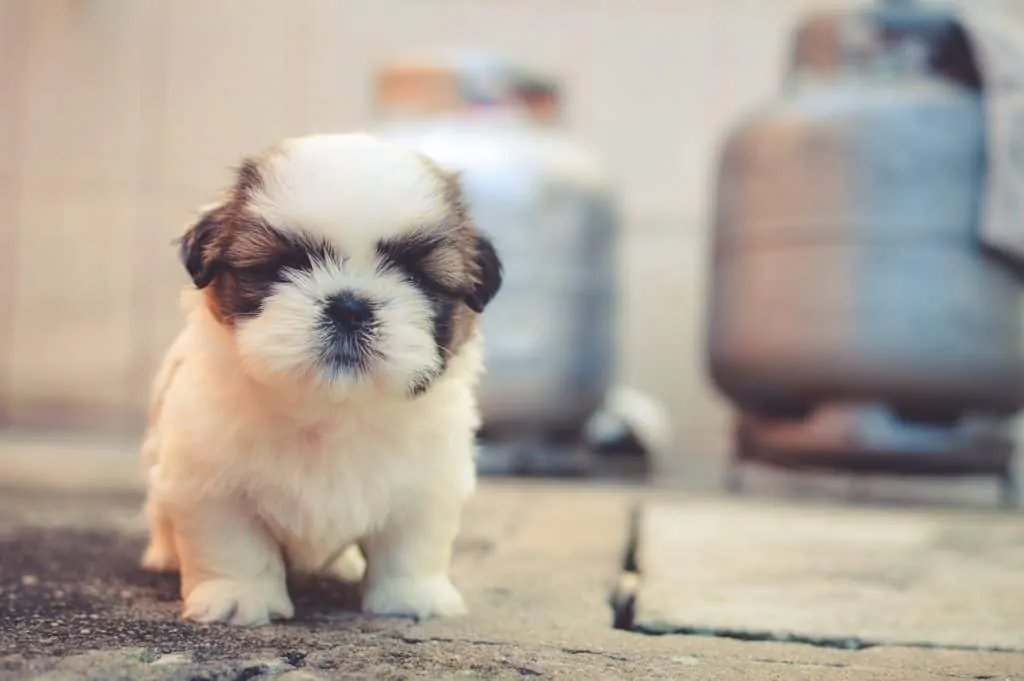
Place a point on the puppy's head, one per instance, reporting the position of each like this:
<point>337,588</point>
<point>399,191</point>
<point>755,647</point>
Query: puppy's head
<point>344,261</point>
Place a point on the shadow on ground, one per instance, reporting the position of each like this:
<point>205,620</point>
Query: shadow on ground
<point>65,591</point>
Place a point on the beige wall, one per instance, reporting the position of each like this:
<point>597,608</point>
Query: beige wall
<point>119,116</point>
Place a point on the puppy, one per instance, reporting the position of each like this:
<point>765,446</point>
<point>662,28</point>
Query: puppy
<point>321,395</point>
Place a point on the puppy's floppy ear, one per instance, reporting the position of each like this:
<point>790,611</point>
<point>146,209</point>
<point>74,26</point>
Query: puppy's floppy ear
<point>490,275</point>
<point>485,257</point>
<point>197,249</point>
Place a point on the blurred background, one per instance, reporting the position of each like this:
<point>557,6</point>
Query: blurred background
<point>120,118</point>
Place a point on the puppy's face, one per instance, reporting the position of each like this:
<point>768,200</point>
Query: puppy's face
<point>343,261</point>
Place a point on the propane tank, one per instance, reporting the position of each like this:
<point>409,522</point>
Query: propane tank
<point>846,266</point>
<point>550,209</point>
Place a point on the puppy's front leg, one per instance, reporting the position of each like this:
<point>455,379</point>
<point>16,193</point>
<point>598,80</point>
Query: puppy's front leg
<point>407,563</point>
<point>231,569</point>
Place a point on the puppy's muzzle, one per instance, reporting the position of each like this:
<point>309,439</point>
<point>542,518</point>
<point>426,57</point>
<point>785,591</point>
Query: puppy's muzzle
<point>348,326</point>
<point>349,314</point>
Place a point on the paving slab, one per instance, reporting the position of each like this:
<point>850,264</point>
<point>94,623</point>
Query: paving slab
<point>833,575</point>
<point>536,562</point>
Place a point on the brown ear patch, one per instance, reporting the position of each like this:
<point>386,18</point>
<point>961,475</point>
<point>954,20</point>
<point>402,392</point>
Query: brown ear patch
<point>248,179</point>
<point>481,265</point>
<point>201,248</point>
<point>467,260</point>
<point>198,249</point>
<point>237,258</point>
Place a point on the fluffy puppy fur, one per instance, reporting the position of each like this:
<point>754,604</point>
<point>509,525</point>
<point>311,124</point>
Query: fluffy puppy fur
<point>321,395</point>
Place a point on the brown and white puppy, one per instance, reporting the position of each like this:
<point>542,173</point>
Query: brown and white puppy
<point>321,396</point>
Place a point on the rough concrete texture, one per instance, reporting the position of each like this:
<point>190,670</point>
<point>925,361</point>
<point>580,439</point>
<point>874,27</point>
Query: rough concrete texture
<point>841,576</point>
<point>536,562</point>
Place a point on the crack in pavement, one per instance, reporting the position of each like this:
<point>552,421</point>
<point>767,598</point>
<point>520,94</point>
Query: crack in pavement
<point>851,643</point>
<point>623,598</point>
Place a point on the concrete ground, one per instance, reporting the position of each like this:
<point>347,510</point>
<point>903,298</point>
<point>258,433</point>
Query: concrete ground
<point>538,563</point>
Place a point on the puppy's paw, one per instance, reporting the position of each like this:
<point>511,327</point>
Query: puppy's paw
<point>159,557</point>
<point>414,597</point>
<point>242,603</point>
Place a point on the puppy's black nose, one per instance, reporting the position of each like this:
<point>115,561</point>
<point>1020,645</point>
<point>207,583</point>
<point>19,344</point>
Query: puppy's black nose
<point>349,313</point>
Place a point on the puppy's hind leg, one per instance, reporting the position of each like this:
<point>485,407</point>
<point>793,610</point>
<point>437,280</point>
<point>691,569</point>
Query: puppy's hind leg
<point>349,565</point>
<point>160,554</point>
<point>231,569</point>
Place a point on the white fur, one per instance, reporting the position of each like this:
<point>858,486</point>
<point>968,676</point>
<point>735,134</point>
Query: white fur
<point>256,462</point>
<point>355,184</point>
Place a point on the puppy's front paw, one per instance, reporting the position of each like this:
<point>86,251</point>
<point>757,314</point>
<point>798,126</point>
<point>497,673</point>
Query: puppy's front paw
<point>414,597</point>
<point>242,603</point>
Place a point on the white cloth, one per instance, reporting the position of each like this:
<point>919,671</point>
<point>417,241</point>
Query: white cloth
<point>995,29</point>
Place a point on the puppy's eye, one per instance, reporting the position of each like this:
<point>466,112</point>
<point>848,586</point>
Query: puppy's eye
<point>425,259</point>
<point>274,269</point>
<point>408,252</point>
<point>418,273</point>
<point>265,271</point>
